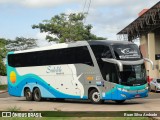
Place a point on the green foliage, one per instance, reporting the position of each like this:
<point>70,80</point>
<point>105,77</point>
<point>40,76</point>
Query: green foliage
<point>20,43</point>
<point>2,68</point>
<point>3,52</point>
<point>3,87</point>
<point>67,28</point>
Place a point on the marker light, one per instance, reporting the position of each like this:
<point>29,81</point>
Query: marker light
<point>89,78</point>
<point>13,77</point>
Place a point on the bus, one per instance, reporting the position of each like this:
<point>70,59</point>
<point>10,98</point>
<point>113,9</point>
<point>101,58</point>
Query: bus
<point>95,70</point>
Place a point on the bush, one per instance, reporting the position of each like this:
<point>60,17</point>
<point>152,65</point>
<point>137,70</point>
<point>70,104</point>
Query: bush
<point>2,69</point>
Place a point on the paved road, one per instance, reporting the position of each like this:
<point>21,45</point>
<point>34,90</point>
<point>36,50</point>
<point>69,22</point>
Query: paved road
<point>4,94</point>
<point>152,95</point>
<point>152,103</point>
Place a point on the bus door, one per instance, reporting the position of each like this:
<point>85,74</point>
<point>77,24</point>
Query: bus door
<point>110,75</point>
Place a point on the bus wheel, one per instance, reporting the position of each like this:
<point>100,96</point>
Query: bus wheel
<point>37,94</point>
<point>60,99</point>
<point>119,101</point>
<point>94,96</point>
<point>149,88</point>
<point>155,89</point>
<point>28,94</point>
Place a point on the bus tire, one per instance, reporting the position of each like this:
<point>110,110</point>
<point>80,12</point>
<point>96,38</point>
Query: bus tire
<point>95,98</point>
<point>119,101</point>
<point>28,94</point>
<point>37,95</point>
<point>149,88</point>
<point>60,99</point>
<point>155,89</point>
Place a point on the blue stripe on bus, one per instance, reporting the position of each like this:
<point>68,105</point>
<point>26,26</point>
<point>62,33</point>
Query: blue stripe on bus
<point>43,86</point>
<point>31,80</point>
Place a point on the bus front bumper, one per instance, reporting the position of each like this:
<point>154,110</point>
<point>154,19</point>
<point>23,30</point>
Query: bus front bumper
<point>120,94</point>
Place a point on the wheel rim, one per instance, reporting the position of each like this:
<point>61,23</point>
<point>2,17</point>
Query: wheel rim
<point>149,88</point>
<point>28,94</point>
<point>36,95</point>
<point>96,97</point>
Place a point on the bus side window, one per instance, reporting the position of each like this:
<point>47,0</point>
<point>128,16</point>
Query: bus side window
<point>98,50</point>
<point>83,56</point>
<point>109,72</point>
<point>106,53</point>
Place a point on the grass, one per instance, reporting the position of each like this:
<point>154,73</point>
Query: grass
<point>15,108</point>
<point>3,87</point>
<point>132,118</point>
<point>81,118</point>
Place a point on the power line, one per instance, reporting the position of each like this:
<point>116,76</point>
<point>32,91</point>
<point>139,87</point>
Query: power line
<point>89,6</point>
<point>84,6</point>
<point>87,12</point>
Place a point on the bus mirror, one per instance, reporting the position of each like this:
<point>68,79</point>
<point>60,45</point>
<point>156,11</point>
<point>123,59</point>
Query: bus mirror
<point>150,61</point>
<point>114,61</point>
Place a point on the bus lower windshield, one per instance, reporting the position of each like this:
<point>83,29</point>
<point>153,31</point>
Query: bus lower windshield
<point>133,75</point>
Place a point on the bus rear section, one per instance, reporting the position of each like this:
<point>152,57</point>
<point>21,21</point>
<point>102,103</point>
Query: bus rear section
<point>67,71</point>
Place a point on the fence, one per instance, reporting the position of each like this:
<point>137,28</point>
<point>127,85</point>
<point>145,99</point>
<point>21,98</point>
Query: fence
<point>3,80</point>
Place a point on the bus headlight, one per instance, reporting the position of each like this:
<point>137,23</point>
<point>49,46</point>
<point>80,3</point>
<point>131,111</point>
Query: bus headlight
<point>123,95</point>
<point>146,88</point>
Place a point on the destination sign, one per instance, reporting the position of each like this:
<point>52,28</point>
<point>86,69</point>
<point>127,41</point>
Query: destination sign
<point>127,52</point>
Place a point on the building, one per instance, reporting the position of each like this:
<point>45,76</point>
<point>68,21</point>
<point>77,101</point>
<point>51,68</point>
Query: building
<point>147,28</point>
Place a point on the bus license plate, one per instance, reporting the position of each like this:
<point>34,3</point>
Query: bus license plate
<point>137,96</point>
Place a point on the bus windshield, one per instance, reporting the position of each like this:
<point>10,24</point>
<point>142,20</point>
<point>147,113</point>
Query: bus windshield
<point>133,75</point>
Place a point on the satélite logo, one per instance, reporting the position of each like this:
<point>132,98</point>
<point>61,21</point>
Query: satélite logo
<point>54,69</point>
<point>128,51</point>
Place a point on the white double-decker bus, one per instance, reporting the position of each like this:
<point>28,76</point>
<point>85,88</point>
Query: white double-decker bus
<point>95,70</point>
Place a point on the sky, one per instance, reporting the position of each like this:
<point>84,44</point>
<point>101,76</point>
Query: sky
<point>108,17</point>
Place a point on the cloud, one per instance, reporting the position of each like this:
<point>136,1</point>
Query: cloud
<point>38,3</point>
<point>108,17</point>
<point>41,37</point>
<point>46,3</point>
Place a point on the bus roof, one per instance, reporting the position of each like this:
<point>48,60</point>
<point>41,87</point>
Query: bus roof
<point>74,44</point>
<point>54,46</point>
<point>108,42</point>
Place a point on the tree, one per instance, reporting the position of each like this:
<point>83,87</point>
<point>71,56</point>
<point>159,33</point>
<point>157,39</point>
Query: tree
<point>21,43</point>
<point>3,53</point>
<point>67,28</point>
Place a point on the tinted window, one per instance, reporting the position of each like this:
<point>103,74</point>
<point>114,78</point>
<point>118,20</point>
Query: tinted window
<point>158,80</point>
<point>72,55</point>
<point>109,72</point>
<point>101,51</point>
